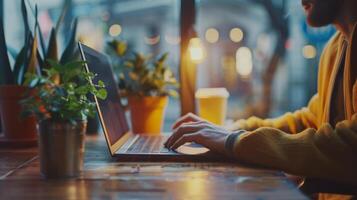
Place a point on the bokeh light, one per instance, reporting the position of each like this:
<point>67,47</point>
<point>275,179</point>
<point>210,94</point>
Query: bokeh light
<point>244,61</point>
<point>115,30</point>
<point>212,35</point>
<point>173,40</point>
<point>309,52</point>
<point>196,50</point>
<point>236,35</point>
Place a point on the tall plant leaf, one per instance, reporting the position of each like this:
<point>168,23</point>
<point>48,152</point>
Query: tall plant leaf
<point>69,52</point>
<point>25,18</point>
<point>32,67</point>
<point>38,29</point>
<point>62,15</point>
<point>32,64</point>
<point>6,76</point>
<point>41,62</point>
<point>19,62</point>
<point>24,61</point>
<point>52,52</point>
<point>40,35</point>
<point>12,52</point>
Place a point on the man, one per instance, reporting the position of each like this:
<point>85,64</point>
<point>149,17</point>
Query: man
<point>319,141</point>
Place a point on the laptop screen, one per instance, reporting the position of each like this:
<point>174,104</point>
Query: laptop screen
<point>113,113</point>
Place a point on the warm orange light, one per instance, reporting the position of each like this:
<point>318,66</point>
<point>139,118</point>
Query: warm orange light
<point>196,50</point>
<point>197,185</point>
<point>244,61</point>
<point>236,35</point>
<point>212,35</point>
<point>309,52</point>
<point>115,30</point>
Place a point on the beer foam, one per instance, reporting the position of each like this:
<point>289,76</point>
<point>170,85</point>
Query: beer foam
<point>212,92</point>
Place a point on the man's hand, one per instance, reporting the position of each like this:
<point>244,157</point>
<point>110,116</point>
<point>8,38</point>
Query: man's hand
<point>191,128</point>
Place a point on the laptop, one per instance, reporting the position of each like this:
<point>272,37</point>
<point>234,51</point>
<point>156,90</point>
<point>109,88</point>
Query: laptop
<point>122,143</point>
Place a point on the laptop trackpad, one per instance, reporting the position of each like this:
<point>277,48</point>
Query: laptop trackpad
<point>192,149</point>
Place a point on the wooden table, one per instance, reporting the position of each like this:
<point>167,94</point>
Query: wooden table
<point>105,178</point>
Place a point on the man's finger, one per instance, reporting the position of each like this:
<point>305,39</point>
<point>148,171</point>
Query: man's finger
<point>186,118</point>
<point>194,137</point>
<point>354,117</point>
<point>350,124</point>
<point>347,134</point>
<point>184,129</point>
<point>354,122</point>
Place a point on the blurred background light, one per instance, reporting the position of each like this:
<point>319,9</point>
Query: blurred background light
<point>236,35</point>
<point>152,40</point>
<point>115,30</point>
<point>173,40</point>
<point>244,61</point>
<point>196,50</point>
<point>212,35</point>
<point>309,52</point>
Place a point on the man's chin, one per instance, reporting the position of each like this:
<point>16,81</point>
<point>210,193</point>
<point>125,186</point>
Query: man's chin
<point>316,23</point>
<point>312,23</point>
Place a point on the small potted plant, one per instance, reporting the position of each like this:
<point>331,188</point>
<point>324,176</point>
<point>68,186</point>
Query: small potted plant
<point>147,83</point>
<point>62,107</point>
<point>17,131</point>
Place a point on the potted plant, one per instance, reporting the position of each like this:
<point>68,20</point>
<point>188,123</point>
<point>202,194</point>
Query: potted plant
<point>16,130</point>
<point>62,108</point>
<point>30,59</point>
<point>70,52</point>
<point>146,82</point>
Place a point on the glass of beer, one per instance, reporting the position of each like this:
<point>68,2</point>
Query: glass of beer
<point>212,104</point>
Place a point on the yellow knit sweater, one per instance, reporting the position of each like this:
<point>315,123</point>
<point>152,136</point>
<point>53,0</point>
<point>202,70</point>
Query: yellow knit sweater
<point>303,143</point>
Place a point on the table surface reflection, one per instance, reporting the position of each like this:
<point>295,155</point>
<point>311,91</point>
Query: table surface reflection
<point>105,178</point>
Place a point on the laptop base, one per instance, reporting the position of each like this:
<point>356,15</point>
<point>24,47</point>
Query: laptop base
<point>207,157</point>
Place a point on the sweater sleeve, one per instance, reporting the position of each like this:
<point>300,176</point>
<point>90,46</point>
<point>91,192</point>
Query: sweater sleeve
<point>289,122</point>
<point>325,153</point>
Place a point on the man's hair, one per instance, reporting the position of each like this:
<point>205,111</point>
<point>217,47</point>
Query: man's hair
<point>324,12</point>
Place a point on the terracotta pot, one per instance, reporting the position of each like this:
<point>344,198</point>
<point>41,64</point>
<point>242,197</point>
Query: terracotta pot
<point>147,113</point>
<point>14,126</point>
<point>61,148</point>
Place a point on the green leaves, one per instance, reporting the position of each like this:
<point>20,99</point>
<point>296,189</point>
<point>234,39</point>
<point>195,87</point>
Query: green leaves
<point>118,47</point>
<point>142,75</point>
<point>101,94</point>
<point>66,100</point>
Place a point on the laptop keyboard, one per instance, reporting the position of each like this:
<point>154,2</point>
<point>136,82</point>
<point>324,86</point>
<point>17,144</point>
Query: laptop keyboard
<point>148,144</point>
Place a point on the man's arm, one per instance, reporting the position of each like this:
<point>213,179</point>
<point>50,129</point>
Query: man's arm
<point>326,153</point>
<point>289,122</point>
